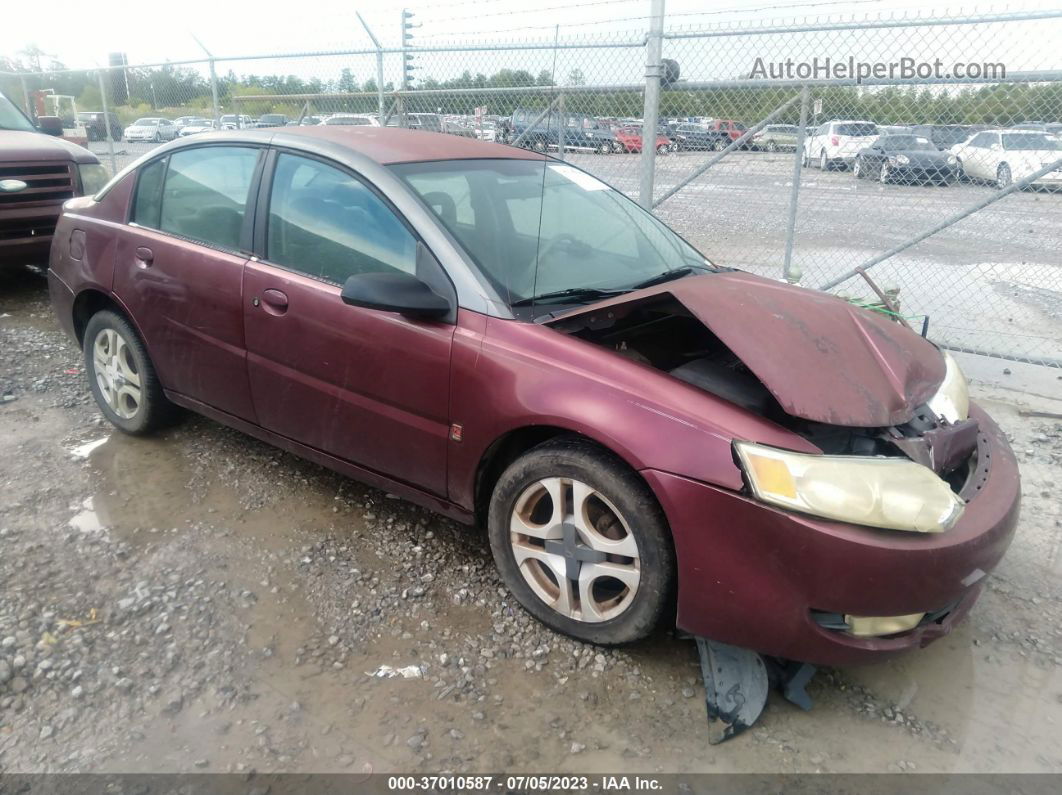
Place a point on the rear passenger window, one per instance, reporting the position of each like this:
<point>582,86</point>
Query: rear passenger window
<point>205,195</point>
<point>325,223</point>
<point>148,204</point>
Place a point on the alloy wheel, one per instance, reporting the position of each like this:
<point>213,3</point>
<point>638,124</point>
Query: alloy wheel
<point>574,549</point>
<point>1003,177</point>
<point>824,163</point>
<point>116,373</point>
<point>857,169</point>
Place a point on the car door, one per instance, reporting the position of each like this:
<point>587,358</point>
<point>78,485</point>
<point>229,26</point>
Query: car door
<point>977,161</point>
<point>179,269</point>
<point>364,385</point>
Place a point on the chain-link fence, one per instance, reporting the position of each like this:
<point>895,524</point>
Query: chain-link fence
<point>923,150</point>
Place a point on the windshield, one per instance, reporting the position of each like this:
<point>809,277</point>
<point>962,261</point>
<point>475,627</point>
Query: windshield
<point>535,228</point>
<point>857,130</point>
<point>146,123</point>
<point>11,118</point>
<point>1027,141</point>
<point>906,143</point>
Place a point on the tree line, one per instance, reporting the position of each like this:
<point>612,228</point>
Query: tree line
<point>139,91</point>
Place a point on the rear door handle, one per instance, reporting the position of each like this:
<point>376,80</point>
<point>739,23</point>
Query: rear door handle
<point>274,301</point>
<point>144,256</point>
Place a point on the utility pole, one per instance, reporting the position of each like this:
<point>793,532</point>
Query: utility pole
<point>407,62</point>
<point>379,66</point>
<point>213,85</point>
<point>653,72</point>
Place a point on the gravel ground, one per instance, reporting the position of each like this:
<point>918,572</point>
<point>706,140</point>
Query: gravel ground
<point>202,602</point>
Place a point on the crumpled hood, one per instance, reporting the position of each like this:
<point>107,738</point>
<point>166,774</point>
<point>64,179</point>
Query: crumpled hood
<point>822,358</point>
<point>16,145</point>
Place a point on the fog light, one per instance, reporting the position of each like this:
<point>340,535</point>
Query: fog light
<point>877,626</point>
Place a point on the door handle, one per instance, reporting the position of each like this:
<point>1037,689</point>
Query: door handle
<point>144,256</point>
<point>274,302</point>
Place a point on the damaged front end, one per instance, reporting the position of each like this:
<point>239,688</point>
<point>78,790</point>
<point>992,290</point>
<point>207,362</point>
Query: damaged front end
<point>885,409</point>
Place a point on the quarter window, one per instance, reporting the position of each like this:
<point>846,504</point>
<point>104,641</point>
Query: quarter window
<point>327,224</point>
<point>204,197</point>
<point>148,203</point>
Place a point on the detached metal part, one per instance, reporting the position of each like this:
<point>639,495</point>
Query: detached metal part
<point>737,682</point>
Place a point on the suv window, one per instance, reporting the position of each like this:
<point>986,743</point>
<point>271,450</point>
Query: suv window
<point>325,223</point>
<point>856,130</point>
<point>204,196</point>
<point>983,140</point>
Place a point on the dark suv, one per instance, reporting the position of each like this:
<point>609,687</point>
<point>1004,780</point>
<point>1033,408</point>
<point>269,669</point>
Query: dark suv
<point>38,172</point>
<point>96,127</point>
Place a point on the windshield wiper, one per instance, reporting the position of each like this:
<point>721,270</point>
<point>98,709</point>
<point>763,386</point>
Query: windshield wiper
<point>572,294</point>
<point>576,294</point>
<point>666,276</point>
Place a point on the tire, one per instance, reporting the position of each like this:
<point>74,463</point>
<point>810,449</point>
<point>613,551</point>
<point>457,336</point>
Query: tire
<point>805,160</point>
<point>884,176</point>
<point>824,162</point>
<point>110,337</point>
<point>720,145</point>
<point>539,145</point>
<point>604,148</point>
<point>617,502</point>
<point>1004,178</point>
<point>772,147</point>
<point>158,138</point>
<point>858,168</point>
<point>663,149</point>
<point>617,148</point>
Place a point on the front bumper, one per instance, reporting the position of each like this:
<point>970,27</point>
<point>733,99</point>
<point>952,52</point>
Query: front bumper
<point>762,578</point>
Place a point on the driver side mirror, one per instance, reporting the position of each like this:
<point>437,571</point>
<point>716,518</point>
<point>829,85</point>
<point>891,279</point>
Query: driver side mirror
<point>395,291</point>
<point>50,125</point>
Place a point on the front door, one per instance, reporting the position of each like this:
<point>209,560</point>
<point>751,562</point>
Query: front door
<point>179,269</point>
<point>364,385</point>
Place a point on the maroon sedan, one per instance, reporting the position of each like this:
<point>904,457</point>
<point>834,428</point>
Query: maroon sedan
<point>503,338</point>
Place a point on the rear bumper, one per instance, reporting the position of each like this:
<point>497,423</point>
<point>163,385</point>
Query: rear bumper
<point>759,577</point>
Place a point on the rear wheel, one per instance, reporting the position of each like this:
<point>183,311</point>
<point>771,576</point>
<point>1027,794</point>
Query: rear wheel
<point>720,145</point>
<point>885,175</point>
<point>122,377</point>
<point>857,168</point>
<point>581,542</point>
<point>824,162</point>
<point>772,146</point>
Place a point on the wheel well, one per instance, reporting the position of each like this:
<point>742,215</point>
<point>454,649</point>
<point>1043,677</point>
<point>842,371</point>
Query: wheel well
<point>88,303</point>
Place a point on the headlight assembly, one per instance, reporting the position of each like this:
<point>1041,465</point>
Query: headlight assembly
<point>952,401</point>
<point>93,178</point>
<point>903,160</point>
<point>893,493</point>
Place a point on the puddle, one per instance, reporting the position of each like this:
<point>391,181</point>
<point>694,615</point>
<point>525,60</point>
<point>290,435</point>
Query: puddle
<point>87,520</point>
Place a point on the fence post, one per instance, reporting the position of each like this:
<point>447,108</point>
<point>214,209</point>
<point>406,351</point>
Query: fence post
<point>561,123</point>
<point>794,195</point>
<point>107,122</point>
<point>214,93</point>
<point>650,111</point>
<point>379,66</point>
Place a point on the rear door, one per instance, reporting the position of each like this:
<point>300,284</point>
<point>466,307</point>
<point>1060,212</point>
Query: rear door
<point>364,385</point>
<point>179,269</point>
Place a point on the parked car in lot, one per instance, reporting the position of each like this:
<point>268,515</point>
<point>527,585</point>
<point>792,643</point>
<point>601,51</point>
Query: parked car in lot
<point>776,137</point>
<point>196,126</point>
<point>96,126</point>
<point>38,172</point>
<point>428,122</point>
<point>730,128</point>
<point>271,120</point>
<point>181,121</point>
<point>693,136</point>
<point>351,120</point>
<point>580,132</point>
<point>1005,156</point>
<point>236,121</point>
<point>944,136</point>
<point>836,143</point>
<point>505,339</point>
<point>905,159</point>
<point>630,137</point>
<point>151,129</point>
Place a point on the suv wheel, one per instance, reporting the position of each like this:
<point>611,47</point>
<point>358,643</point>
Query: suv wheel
<point>1003,176</point>
<point>885,176</point>
<point>581,542</point>
<point>772,146</point>
<point>857,168</point>
<point>824,162</point>
<point>121,376</point>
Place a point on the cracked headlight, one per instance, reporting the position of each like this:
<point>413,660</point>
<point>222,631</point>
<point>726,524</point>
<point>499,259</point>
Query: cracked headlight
<point>952,401</point>
<point>892,493</point>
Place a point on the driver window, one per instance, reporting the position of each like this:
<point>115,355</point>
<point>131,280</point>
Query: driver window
<point>327,224</point>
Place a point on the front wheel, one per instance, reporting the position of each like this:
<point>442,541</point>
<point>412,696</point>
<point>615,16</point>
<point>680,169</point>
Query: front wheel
<point>1003,176</point>
<point>122,377</point>
<point>719,146</point>
<point>582,543</point>
<point>663,149</point>
<point>772,147</point>
<point>857,168</point>
<point>885,175</point>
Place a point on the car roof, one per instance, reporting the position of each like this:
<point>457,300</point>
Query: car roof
<point>387,145</point>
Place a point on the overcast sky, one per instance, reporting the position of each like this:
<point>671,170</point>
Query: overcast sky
<point>153,31</point>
